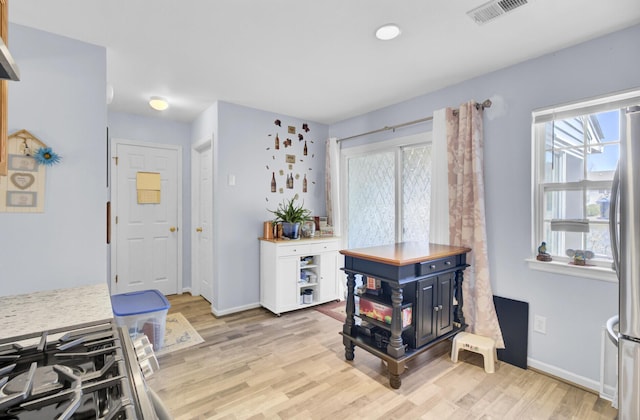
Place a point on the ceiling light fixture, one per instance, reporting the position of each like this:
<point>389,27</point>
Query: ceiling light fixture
<point>158,103</point>
<point>388,32</point>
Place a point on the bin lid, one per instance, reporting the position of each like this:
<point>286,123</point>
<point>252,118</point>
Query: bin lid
<point>141,302</point>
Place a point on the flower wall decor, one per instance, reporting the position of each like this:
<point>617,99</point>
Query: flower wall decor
<point>23,190</point>
<point>46,156</point>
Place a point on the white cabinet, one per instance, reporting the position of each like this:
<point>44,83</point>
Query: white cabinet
<point>297,274</point>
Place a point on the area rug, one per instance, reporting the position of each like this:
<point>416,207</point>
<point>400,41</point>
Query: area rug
<point>336,310</point>
<point>179,334</point>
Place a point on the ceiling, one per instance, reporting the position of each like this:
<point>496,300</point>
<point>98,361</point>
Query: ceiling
<point>315,60</point>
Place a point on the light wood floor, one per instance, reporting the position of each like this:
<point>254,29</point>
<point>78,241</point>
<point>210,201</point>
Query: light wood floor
<point>254,365</point>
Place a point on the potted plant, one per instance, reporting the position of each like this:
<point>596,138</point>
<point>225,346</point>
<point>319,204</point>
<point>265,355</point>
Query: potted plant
<point>291,216</point>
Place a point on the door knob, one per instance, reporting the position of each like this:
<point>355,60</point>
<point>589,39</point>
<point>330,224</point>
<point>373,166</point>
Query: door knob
<point>199,229</point>
<point>172,229</point>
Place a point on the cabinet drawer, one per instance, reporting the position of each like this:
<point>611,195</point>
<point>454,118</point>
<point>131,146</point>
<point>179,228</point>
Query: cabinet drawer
<point>297,249</point>
<point>434,266</point>
<point>324,247</point>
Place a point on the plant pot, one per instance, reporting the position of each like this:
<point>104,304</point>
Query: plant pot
<point>290,230</point>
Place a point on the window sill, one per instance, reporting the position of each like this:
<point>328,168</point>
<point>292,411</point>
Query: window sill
<point>590,272</point>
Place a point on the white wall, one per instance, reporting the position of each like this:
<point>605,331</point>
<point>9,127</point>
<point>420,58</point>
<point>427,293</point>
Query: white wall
<point>159,130</point>
<point>575,308</point>
<point>241,138</point>
<point>61,100</point>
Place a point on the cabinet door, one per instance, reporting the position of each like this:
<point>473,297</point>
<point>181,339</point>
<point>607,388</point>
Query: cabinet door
<point>445,299</point>
<point>288,274</point>
<point>327,282</point>
<point>424,312</point>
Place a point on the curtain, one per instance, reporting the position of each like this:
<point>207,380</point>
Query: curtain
<point>467,216</point>
<point>332,184</point>
<point>439,213</point>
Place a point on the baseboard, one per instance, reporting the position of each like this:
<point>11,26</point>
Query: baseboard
<point>564,375</point>
<point>186,290</point>
<point>230,311</point>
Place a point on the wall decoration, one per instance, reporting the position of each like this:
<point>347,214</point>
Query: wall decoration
<point>284,176</point>
<point>46,156</point>
<point>23,189</point>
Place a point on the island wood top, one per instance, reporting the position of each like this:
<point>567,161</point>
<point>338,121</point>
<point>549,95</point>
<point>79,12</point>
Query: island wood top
<point>405,253</point>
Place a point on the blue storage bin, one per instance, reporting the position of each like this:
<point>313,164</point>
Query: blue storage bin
<point>143,312</point>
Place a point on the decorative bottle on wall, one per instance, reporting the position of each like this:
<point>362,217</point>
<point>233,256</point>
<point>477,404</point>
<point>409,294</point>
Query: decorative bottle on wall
<point>273,182</point>
<point>277,142</point>
<point>305,148</point>
<point>304,183</point>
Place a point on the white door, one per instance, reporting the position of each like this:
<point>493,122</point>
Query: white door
<point>147,236</point>
<point>203,247</point>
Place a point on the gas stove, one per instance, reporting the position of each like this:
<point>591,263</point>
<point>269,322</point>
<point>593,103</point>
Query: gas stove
<point>90,371</point>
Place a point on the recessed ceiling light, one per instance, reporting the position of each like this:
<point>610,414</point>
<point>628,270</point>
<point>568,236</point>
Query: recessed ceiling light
<point>387,32</point>
<point>158,103</point>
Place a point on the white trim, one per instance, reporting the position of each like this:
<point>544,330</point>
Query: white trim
<point>588,106</point>
<point>234,310</point>
<point>114,205</point>
<point>564,374</point>
<point>414,139</point>
<point>587,272</point>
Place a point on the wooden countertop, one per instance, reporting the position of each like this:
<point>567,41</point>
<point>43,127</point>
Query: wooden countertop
<point>405,253</point>
<point>296,241</point>
<point>47,310</point>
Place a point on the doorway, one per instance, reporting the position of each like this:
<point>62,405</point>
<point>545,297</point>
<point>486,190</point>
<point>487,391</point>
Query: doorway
<point>146,234</point>
<point>202,260</point>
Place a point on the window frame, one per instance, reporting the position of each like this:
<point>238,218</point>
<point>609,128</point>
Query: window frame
<point>602,269</point>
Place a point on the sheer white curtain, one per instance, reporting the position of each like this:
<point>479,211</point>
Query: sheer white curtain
<point>458,141</point>
<point>332,184</point>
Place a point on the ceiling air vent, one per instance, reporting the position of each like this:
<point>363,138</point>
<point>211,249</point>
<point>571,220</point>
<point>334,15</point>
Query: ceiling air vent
<point>493,9</point>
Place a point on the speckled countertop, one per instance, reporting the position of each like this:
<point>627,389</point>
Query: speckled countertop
<point>41,311</point>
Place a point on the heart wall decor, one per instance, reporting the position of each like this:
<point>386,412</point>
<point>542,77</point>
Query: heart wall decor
<point>22,180</point>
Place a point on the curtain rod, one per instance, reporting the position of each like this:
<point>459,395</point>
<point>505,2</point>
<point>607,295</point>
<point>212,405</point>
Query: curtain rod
<point>485,104</point>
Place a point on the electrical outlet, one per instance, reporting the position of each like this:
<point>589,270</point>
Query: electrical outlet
<point>540,324</point>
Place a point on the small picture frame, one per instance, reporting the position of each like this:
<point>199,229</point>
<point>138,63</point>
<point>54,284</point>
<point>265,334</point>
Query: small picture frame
<point>22,199</point>
<point>22,163</point>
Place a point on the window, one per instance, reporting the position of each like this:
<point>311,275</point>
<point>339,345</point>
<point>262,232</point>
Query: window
<point>388,189</point>
<point>576,151</point>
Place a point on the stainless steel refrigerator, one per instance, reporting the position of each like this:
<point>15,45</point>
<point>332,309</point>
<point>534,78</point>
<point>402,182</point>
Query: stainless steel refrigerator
<point>625,237</point>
